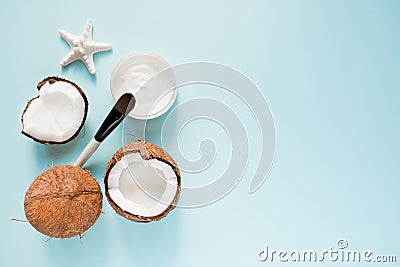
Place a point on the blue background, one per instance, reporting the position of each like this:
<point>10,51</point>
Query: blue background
<point>330,71</point>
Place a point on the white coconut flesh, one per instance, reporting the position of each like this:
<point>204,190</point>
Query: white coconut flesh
<point>57,114</point>
<point>142,187</point>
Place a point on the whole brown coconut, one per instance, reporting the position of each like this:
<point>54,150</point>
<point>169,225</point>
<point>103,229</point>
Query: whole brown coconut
<point>63,201</point>
<point>147,151</point>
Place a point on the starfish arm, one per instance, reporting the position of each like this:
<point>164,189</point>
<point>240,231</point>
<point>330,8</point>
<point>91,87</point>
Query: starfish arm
<point>94,47</point>
<point>69,38</point>
<point>88,60</point>
<point>70,57</point>
<point>87,31</point>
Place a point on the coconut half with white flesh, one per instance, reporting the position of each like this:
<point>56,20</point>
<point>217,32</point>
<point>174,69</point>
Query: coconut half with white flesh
<point>57,115</point>
<point>142,182</point>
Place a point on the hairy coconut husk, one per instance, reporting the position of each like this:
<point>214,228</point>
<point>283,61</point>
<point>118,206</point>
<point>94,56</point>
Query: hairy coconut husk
<point>53,79</point>
<point>63,201</point>
<point>148,151</point>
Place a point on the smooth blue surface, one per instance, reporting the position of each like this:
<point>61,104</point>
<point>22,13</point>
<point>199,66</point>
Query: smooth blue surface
<point>330,71</point>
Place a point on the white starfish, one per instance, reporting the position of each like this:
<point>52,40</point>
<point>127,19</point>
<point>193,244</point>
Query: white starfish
<point>83,47</point>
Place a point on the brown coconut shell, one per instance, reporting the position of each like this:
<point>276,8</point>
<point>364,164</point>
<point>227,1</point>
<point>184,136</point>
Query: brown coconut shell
<point>63,201</point>
<point>53,79</point>
<point>148,151</point>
